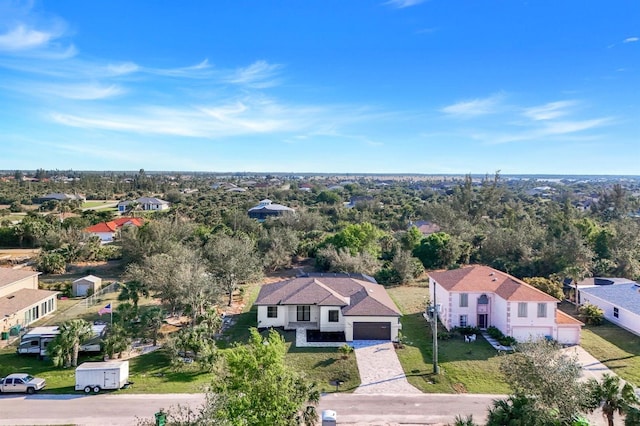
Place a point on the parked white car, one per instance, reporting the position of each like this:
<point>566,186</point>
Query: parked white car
<point>21,382</point>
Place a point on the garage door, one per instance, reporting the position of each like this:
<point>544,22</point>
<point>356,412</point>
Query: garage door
<point>522,334</point>
<point>568,335</point>
<point>82,290</point>
<point>371,331</point>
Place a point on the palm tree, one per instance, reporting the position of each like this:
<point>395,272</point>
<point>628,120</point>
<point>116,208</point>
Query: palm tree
<point>116,341</point>
<point>611,397</point>
<point>65,347</point>
<point>133,290</point>
<point>152,320</point>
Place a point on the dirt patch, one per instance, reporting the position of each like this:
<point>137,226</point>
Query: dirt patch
<point>459,388</point>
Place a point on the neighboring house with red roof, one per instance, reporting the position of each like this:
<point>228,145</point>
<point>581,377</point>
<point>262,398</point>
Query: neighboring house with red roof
<point>107,231</point>
<point>21,301</point>
<point>355,305</point>
<point>480,296</point>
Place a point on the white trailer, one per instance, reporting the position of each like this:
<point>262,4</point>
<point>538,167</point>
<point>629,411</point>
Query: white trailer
<point>95,376</point>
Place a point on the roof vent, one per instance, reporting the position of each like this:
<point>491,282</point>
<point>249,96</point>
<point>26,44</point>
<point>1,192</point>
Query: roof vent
<point>491,274</point>
<point>495,279</point>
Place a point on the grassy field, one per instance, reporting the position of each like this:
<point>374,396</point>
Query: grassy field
<point>97,203</point>
<point>615,347</point>
<point>464,367</point>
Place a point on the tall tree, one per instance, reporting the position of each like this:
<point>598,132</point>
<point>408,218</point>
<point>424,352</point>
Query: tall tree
<point>260,389</point>
<point>232,261</point>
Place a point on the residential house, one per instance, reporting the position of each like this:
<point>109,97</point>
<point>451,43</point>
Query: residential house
<point>21,301</point>
<point>86,286</point>
<point>144,204</point>
<point>355,305</point>
<point>266,209</point>
<point>618,298</point>
<point>425,227</point>
<point>107,231</point>
<point>480,296</point>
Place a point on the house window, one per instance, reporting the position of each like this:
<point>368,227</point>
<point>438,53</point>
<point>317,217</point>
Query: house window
<point>522,309</point>
<point>542,310</point>
<point>464,300</point>
<point>304,313</point>
<point>334,315</point>
<point>463,320</point>
<point>272,312</point>
<point>616,313</point>
<point>50,305</point>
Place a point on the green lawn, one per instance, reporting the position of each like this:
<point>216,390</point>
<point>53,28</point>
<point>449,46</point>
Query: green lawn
<point>318,364</point>
<point>615,347</point>
<point>464,367</point>
<point>96,203</point>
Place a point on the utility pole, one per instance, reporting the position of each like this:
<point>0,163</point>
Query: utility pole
<point>435,310</point>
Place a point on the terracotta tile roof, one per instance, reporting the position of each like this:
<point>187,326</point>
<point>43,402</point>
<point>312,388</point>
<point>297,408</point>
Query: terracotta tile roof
<point>22,299</point>
<point>102,227</point>
<point>113,225</point>
<point>566,319</point>
<point>365,298</point>
<point>478,278</point>
<point>10,275</point>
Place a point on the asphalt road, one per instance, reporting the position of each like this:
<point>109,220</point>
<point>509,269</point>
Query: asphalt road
<point>351,409</point>
<point>105,409</point>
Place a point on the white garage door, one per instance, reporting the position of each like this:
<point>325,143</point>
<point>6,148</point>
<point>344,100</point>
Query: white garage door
<point>569,335</point>
<point>522,334</point>
<point>82,289</point>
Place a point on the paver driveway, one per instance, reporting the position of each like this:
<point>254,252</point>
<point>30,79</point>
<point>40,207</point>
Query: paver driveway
<point>380,369</point>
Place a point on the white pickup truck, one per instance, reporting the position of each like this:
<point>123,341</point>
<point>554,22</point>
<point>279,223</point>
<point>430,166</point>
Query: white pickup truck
<point>21,382</point>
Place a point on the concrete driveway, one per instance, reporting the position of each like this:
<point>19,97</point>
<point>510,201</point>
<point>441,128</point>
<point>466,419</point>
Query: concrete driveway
<point>380,370</point>
<point>591,367</point>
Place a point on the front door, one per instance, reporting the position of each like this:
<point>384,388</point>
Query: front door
<point>482,321</point>
<point>304,313</point>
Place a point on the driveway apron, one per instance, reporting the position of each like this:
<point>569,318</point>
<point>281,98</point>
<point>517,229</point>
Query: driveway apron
<point>380,369</point>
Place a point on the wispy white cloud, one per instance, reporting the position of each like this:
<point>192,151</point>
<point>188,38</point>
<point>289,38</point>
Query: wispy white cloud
<point>80,91</point>
<point>401,4</point>
<point>260,74</point>
<point>122,68</point>
<point>630,40</point>
<point>549,111</point>
<point>21,37</point>
<point>475,107</point>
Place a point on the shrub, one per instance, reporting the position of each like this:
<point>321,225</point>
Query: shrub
<point>507,341</point>
<point>466,331</point>
<point>592,314</point>
<point>494,332</point>
<point>345,350</point>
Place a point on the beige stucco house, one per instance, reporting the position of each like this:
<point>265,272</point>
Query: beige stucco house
<point>21,301</point>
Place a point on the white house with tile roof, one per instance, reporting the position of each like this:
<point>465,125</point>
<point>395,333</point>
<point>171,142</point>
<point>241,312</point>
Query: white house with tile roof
<point>480,296</point>
<point>357,306</point>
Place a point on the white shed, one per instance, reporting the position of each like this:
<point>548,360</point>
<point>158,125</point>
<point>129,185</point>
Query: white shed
<point>86,285</point>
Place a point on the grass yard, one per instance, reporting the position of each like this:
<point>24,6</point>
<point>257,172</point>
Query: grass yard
<point>615,347</point>
<point>150,373</point>
<point>97,203</point>
<point>465,367</point>
<point>319,364</point>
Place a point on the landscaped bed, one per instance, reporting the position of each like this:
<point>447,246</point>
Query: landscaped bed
<point>317,336</point>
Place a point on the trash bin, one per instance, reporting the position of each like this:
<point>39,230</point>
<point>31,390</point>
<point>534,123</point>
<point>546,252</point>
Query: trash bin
<point>4,335</point>
<point>161,418</point>
<point>329,418</point>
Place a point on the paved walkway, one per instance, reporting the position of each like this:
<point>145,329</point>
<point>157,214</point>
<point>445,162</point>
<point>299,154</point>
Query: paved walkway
<point>380,369</point>
<point>496,345</point>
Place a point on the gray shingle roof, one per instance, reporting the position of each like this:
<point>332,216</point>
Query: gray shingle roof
<point>366,298</point>
<point>626,296</point>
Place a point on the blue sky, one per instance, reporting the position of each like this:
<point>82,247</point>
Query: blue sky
<point>398,86</point>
